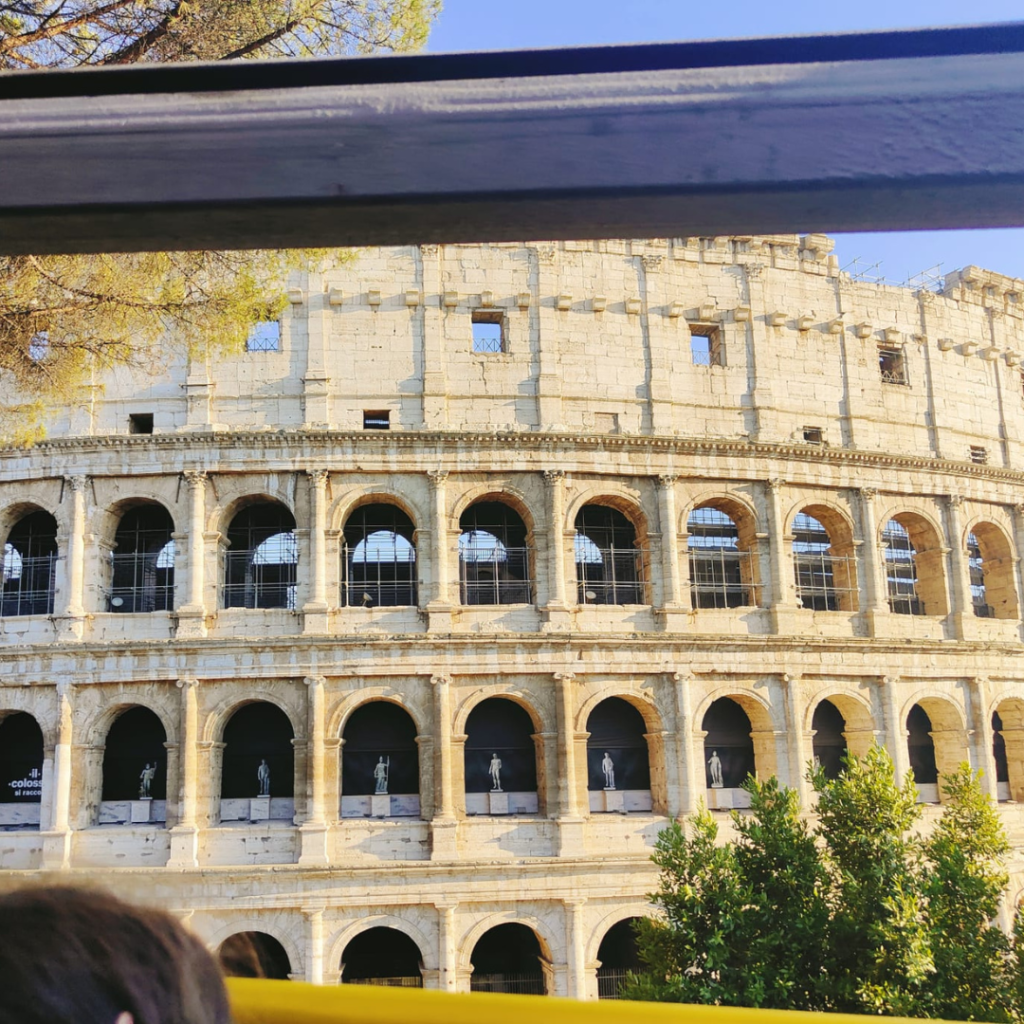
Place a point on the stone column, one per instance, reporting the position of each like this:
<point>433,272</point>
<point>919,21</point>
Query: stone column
<point>800,742</point>
<point>662,345</point>
<point>313,830</point>
<point>961,606</point>
<point>72,619</point>
<point>448,952</point>
<point>57,835</point>
<point>575,943</point>
<point>875,593</point>
<point>570,812</point>
<point>316,381</point>
<point>673,611</point>
<point>895,727</point>
<point>192,615</point>
<point>550,329</point>
<point>557,608</point>
<point>981,718</point>
<point>443,825</point>
<point>314,914</point>
<point>315,609</point>
<point>439,607</point>
<point>185,834</point>
<point>783,587</point>
<point>435,381</point>
<point>691,768</point>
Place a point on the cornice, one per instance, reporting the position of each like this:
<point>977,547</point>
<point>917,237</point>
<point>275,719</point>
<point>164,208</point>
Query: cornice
<point>323,447</point>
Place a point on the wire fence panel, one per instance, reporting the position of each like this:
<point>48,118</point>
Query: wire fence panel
<point>28,584</point>
<point>526,984</point>
<point>142,581</point>
<point>412,981</point>
<point>498,575</point>
<point>609,981</point>
<point>611,575</point>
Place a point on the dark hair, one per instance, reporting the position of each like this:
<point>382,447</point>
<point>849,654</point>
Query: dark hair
<point>82,956</point>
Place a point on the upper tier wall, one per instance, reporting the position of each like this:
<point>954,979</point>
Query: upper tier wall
<point>598,339</point>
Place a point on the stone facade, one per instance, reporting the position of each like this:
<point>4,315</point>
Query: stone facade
<point>745,378</point>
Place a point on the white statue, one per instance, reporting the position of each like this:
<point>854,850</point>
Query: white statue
<point>263,775</point>
<point>380,775</point>
<point>608,767</point>
<point>495,770</point>
<point>715,764</point>
<point>146,781</point>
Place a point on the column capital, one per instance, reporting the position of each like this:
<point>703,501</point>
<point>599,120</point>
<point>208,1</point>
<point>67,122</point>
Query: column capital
<point>317,477</point>
<point>314,680</point>
<point>955,501</point>
<point>979,681</point>
<point>313,909</point>
<point>775,483</point>
<point>651,261</point>
<point>430,250</point>
<point>574,902</point>
<point>440,680</point>
<point>195,477</point>
<point>667,479</point>
<point>77,482</point>
<point>889,680</point>
<point>438,475</point>
<point>443,905</point>
<point>869,492</point>
<point>564,677</point>
<point>187,683</point>
<point>554,475</point>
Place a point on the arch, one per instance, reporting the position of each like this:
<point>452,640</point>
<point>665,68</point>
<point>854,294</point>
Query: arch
<point>990,564</point>
<point>504,494</point>
<point>936,743</point>
<point>722,554</point>
<point>823,559</point>
<point>256,733</point>
<point>610,551</point>
<point>912,555</point>
<point>1008,734</point>
<point>334,947</point>
<point>351,501</point>
<point>380,756</point>
<point>142,560</point>
<point>510,958</point>
<point>380,955</point>
<point>829,742</point>
<point>254,955</point>
<point>500,730</point>
<point>135,742</point>
<point>378,558</point>
<point>728,740</point>
<point>27,571</point>
<point>859,727</point>
<point>219,716</point>
<point>617,733</point>
<point>341,712</point>
<point>495,555</point>
<point>261,559</point>
<point>21,770</point>
<point>618,954</point>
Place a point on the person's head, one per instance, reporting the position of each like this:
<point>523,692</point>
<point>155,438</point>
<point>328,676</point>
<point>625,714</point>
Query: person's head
<point>81,956</point>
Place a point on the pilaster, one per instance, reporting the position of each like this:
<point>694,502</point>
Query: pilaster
<point>314,830</point>
<point>192,614</point>
<point>185,834</point>
<point>56,837</point>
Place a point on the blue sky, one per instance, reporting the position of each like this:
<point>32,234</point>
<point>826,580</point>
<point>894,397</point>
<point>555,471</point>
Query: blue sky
<point>512,24</point>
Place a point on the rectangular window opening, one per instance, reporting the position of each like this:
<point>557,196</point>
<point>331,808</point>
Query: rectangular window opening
<point>264,336</point>
<point>979,455</point>
<point>140,423</point>
<point>488,331</point>
<point>891,366</point>
<point>813,435</point>
<point>705,345</point>
<point>376,419</point>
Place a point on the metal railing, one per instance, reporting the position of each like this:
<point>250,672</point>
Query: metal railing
<point>903,604</point>
<point>617,578</point>
<point>817,574</point>
<point>28,585</point>
<point>140,583</point>
<point>408,981</point>
<point>252,584</point>
<point>387,579</point>
<point>500,575</point>
<point>894,376</point>
<point>983,610</point>
<point>718,578</point>
<point>609,981</point>
<point>525,984</point>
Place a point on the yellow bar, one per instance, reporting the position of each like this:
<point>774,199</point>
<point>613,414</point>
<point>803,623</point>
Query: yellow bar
<point>290,1002</point>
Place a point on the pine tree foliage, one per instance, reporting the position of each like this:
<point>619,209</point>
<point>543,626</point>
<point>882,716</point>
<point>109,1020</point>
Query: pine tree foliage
<point>860,914</point>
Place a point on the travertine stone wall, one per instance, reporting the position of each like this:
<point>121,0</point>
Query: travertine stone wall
<point>595,400</point>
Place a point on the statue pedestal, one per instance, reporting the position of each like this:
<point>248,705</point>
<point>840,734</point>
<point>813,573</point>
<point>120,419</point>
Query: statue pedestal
<point>140,811</point>
<point>719,799</point>
<point>614,801</point>
<point>380,805</point>
<point>259,808</point>
<point>498,803</point>
<point>184,847</point>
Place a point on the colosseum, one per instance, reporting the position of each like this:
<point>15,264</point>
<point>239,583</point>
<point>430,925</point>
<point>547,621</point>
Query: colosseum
<point>393,641</point>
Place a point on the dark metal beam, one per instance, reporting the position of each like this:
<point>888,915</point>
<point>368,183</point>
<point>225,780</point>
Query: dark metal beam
<point>869,131</point>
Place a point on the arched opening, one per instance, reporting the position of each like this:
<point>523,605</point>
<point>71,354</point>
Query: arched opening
<point>258,768</point>
<point>382,956</point>
<point>937,744</point>
<point>30,557</point>
<point>990,565</point>
<point>379,558</point>
<point>508,958</point>
<point>142,562</point>
<point>254,955</point>
<point>261,560</point>
<point>1008,749</point>
<point>21,771</point>
<point>618,954</point>
<point>719,547</point>
<point>609,560</point>
<point>380,775</point>
<point>921,750</point>
<point>134,769</point>
<point>500,759</point>
<point>825,580</point>
<point>494,556</point>
<point>618,760</point>
<point>912,556</point>
<point>728,753</point>
<point>829,744</point>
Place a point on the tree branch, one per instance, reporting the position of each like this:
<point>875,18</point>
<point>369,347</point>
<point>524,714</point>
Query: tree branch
<point>58,28</point>
<point>133,51</point>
